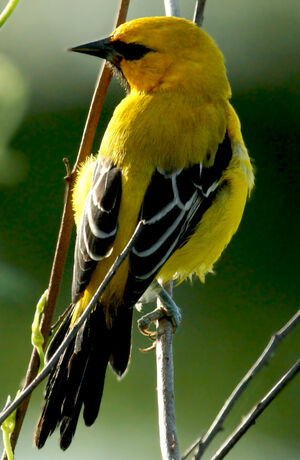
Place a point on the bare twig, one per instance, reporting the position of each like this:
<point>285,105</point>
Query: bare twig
<point>66,225</point>
<point>164,355</point>
<point>263,359</point>
<point>199,12</point>
<point>51,363</point>
<point>165,386</point>
<point>172,8</point>
<point>256,411</point>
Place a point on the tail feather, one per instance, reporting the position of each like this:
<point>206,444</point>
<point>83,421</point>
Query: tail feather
<point>54,395</point>
<point>78,378</point>
<point>58,337</point>
<point>95,373</point>
<point>76,370</point>
<point>121,340</point>
<point>69,423</point>
<point>70,412</point>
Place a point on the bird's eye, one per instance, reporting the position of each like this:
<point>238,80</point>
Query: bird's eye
<point>130,51</point>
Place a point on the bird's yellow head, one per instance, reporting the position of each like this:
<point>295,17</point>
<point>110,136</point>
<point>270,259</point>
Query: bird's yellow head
<point>164,53</point>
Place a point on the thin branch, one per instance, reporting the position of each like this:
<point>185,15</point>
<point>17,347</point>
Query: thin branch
<point>164,354</point>
<point>165,386</point>
<point>172,8</point>
<point>263,359</point>
<point>51,363</point>
<point>199,12</point>
<point>66,225</point>
<point>8,11</point>
<point>255,413</point>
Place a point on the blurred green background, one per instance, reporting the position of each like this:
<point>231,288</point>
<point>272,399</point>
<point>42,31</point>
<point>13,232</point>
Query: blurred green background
<point>44,98</point>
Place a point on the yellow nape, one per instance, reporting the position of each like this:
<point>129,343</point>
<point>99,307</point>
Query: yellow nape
<point>182,56</point>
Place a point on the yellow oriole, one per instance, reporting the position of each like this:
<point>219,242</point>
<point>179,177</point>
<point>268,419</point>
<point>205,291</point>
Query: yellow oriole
<point>172,154</point>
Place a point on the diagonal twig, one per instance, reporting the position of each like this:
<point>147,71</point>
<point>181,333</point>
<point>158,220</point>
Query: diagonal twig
<point>7,11</point>
<point>256,412</point>
<point>263,359</point>
<point>67,224</point>
<point>51,363</point>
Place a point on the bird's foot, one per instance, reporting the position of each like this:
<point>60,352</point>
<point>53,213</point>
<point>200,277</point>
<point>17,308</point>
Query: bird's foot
<point>145,322</point>
<point>170,309</point>
<point>167,308</point>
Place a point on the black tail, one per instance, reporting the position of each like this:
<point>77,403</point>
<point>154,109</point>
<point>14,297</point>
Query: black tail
<point>78,378</point>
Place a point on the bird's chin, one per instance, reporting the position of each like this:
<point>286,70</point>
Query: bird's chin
<point>119,75</point>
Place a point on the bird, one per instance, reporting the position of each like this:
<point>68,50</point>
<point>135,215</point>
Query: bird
<point>173,156</point>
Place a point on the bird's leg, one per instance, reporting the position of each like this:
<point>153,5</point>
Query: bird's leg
<point>167,307</point>
<point>145,322</point>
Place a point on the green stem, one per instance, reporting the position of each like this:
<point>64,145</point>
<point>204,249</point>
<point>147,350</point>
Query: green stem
<point>7,445</point>
<point>7,11</point>
<point>37,338</point>
<point>7,428</point>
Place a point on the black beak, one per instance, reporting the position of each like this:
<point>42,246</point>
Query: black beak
<point>101,48</point>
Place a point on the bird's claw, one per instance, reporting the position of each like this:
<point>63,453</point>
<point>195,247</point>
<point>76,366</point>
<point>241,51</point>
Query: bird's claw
<point>151,348</point>
<point>145,322</point>
<point>169,309</point>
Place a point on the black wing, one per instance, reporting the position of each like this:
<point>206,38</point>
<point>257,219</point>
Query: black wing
<point>173,206</point>
<point>98,226</point>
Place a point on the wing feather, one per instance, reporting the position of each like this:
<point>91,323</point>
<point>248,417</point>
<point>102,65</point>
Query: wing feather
<point>174,204</point>
<point>98,226</point>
